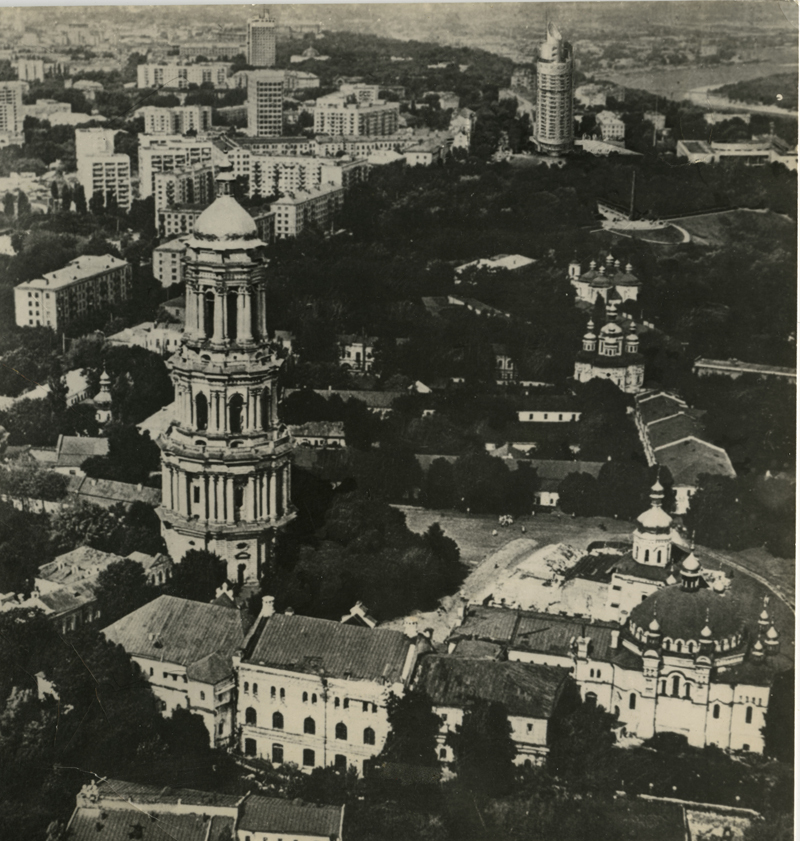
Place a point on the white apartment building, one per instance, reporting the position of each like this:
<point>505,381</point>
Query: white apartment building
<point>297,211</point>
<point>178,120</point>
<point>261,42</point>
<point>168,262</point>
<point>175,75</point>
<point>295,80</point>
<point>313,692</point>
<point>345,114</point>
<point>30,70</point>
<point>84,285</point>
<point>193,185</point>
<point>364,94</point>
<point>169,154</point>
<point>183,649</point>
<point>265,103</point>
<point>100,169</point>
<point>611,126</point>
<point>11,114</point>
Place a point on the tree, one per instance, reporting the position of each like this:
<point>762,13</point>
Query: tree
<point>577,494</point>
<point>779,719</point>
<point>122,588</point>
<point>413,729</point>
<point>9,205</point>
<point>198,576</point>
<point>481,482</point>
<point>440,486</point>
<point>359,424</point>
<point>80,199</point>
<point>442,546</point>
<point>97,203</point>
<point>23,204</point>
<point>484,750</point>
<point>66,198</point>
<point>622,488</point>
<point>81,523</point>
<point>132,456</point>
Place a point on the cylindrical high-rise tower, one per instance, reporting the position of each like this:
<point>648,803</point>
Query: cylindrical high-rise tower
<point>226,461</point>
<point>554,128</point>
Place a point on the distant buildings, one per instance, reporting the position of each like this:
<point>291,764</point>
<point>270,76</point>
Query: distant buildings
<point>554,129</point>
<point>227,44</point>
<point>297,80</point>
<point>162,339</point>
<point>313,691</point>
<point>317,207</point>
<point>355,111</point>
<point>749,152</point>
<point>112,809</point>
<point>261,41</point>
<point>101,170</point>
<point>170,154</point>
<point>657,120</point>
<point>30,70</point>
<point>11,114</point>
<point>178,120</point>
<point>357,353</point>
<point>498,263</point>
<point>180,76</point>
<point>265,103</point>
<point>734,368</point>
<point>193,184</point>
<point>591,95</point>
<point>612,129</point>
<point>84,286</point>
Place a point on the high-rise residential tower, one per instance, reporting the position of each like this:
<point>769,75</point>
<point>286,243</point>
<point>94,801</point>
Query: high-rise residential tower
<point>265,103</point>
<point>11,114</point>
<point>261,41</point>
<point>554,79</point>
<point>226,459</point>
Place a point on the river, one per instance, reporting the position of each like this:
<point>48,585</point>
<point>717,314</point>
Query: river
<point>677,83</point>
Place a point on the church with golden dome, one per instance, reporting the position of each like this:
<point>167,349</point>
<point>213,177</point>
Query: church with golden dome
<point>225,458</point>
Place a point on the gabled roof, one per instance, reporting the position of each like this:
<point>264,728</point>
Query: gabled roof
<point>690,458</point>
<point>110,789</point>
<point>524,689</point>
<point>675,428</point>
<point>319,646</point>
<point>95,824</point>
<point>73,450</point>
<point>285,816</point>
<point>105,492</point>
<point>654,406</point>
<point>181,632</point>
<point>318,429</point>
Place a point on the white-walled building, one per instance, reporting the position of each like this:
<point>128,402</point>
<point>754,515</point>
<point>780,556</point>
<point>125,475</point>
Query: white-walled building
<point>192,185</point>
<point>30,70</point>
<point>261,42</point>
<point>314,692</point>
<point>175,75</point>
<point>603,278</point>
<point>530,694</point>
<point>184,649</point>
<point>12,116</point>
<point>297,211</point>
<point>100,169</point>
<point>355,113</point>
<point>170,154</point>
<point>265,103</point>
<point>178,120</point>
<point>163,339</point>
<point>84,285</point>
<point>612,129</point>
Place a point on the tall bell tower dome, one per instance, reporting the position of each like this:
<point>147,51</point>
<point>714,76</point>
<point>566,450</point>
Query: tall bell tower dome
<point>226,461</point>
<point>652,540</point>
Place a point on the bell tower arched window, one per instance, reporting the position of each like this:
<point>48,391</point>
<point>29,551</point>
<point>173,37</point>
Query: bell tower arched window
<point>254,305</point>
<point>209,302</point>
<point>265,406</point>
<point>235,414</point>
<point>233,316</point>
<point>201,411</point>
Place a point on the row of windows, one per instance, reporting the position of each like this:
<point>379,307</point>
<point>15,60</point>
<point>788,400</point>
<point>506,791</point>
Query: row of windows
<point>312,698</point>
<point>309,726</point>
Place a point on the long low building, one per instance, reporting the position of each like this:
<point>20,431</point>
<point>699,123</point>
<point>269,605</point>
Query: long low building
<point>113,810</point>
<point>735,368</point>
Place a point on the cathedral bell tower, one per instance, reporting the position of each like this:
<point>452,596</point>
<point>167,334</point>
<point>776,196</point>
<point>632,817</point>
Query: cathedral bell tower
<point>225,460</point>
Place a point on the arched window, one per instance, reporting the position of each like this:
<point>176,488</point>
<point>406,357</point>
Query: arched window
<point>676,686</point>
<point>369,736</point>
<point>208,304</point>
<point>341,731</point>
<point>265,409</point>
<point>309,726</point>
<point>716,711</point>
<point>233,316</point>
<point>667,644</point>
<point>314,698</point>
<point>591,698</point>
<point>647,556</point>
<point>277,754</point>
<point>277,721</point>
<point>690,647</point>
<point>305,697</point>
<point>246,686</point>
<point>272,692</point>
<point>235,413</point>
<point>308,757</point>
<point>254,315</point>
<point>201,411</point>
<point>658,557</point>
<point>663,687</point>
<point>687,691</point>
<point>632,701</point>
<point>250,716</point>
<point>336,702</point>
<point>591,672</point>
<point>748,715</point>
<point>679,646</point>
<point>283,694</point>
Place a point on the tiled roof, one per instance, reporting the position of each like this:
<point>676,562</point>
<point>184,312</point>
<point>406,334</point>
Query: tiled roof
<point>318,429</point>
<point>212,669</point>
<point>477,650</point>
<point>627,566</point>
<point>488,623</point>
<point>304,644</point>
<point>552,472</point>
<point>373,399</point>
<point>652,407</point>
<point>95,824</point>
<point>143,793</point>
<point>81,268</point>
<point>106,493</point>
<point>674,428</point>
<point>261,813</point>
<point>688,460</point>
<point>183,631</point>
<point>76,565</point>
<point>524,689</point>
<point>73,450</point>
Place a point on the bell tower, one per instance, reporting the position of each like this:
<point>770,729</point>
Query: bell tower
<point>225,460</point>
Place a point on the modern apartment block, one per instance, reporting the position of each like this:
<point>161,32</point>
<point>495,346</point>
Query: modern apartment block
<point>174,75</point>
<point>346,114</point>
<point>297,211</point>
<point>11,114</point>
<point>30,70</point>
<point>169,154</point>
<point>554,132</point>
<point>100,168</point>
<point>265,103</point>
<point>261,42</point>
<point>179,120</point>
<point>85,285</point>
<point>193,185</point>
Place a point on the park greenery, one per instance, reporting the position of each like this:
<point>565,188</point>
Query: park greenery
<point>764,90</point>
